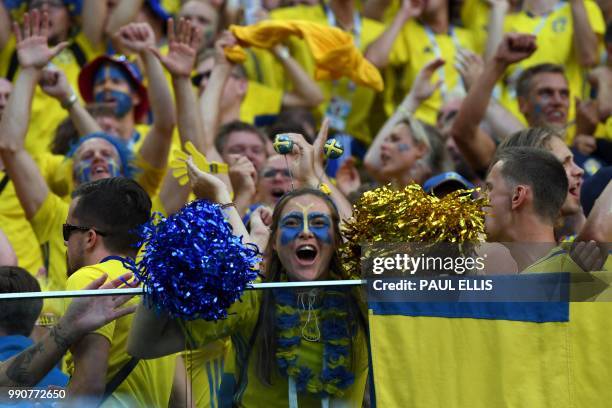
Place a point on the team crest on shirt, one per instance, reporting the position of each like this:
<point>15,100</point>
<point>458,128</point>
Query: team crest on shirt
<point>427,50</point>
<point>559,25</point>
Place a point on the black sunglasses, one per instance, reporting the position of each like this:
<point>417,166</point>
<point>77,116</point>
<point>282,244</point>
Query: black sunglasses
<point>68,229</point>
<point>271,173</point>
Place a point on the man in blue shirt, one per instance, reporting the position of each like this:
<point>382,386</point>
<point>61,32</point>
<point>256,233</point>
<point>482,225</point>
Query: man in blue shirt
<point>17,318</point>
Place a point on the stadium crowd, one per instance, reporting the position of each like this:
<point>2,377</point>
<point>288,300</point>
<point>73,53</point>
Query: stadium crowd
<point>98,96</point>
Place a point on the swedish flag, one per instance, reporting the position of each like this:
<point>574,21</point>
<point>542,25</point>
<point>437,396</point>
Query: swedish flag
<point>489,355</point>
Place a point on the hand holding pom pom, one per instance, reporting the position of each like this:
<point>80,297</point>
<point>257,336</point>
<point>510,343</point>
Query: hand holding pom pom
<point>192,265</point>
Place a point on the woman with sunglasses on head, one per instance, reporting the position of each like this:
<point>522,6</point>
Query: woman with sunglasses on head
<point>290,347</point>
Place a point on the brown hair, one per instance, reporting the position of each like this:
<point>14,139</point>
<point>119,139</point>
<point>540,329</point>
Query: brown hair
<point>531,137</point>
<point>266,335</point>
<point>523,84</point>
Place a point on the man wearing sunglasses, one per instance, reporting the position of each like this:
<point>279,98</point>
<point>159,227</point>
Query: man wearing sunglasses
<point>101,235</point>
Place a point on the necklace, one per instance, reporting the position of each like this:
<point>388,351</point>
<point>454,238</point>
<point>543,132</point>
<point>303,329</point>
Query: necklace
<point>310,333</point>
<point>335,375</point>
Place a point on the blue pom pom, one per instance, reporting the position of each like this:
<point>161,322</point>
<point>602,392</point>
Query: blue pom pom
<point>283,144</point>
<point>333,149</point>
<point>192,265</point>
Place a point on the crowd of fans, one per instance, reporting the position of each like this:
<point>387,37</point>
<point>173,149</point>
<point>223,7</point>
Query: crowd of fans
<point>513,96</point>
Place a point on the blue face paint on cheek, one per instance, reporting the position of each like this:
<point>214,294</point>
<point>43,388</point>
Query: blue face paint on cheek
<point>123,101</point>
<point>83,170</point>
<point>113,168</point>
<point>320,226</point>
<point>290,227</point>
<point>403,147</point>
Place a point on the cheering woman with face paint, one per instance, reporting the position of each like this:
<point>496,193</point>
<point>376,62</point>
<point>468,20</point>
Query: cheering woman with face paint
<point>403,141</point>
<point>298,347</point>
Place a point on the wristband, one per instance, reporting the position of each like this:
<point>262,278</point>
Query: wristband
<point>227,205</point>
<point>67,103</point>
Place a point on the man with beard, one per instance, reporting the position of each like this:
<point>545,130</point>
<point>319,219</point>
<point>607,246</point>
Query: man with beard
<point>100,234</point>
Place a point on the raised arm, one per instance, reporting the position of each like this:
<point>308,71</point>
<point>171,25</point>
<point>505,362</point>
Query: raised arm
<point>211,98</point>
<point>306,93</point>
<point>421,90</point>
<point>495,29</point>
<point>139,38</point>
<point>54,83</point>
<point>95,16</point>
<point>378,51</point>
<point>124,13</point>
<point>33,53</point>
<point>345,209</point>
<point>501,122</point>
<point>84,314</point>
<point>598,226</point>
<point>475,145</point>
<point>601,79</point>
<point>585,39</point>
<point>5,25</point>
<point>155,334</point>
<point>375,9</point>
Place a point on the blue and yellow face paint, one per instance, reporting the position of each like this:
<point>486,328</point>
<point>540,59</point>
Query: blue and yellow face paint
<point>123,100</point>
<point>295,222</point>
<point>83,170</point>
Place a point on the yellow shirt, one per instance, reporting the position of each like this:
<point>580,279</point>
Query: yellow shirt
<point>557,260</point>
<point>58,172</point>
<point>171,6</point>
<point>150,383</point>
<point>46,111</point>
<point>18,230</point>
<point>475,17</point>
<point>260,100</point>
<point>205,368</point>
<point>47,225</point>
<point>555,41</point>
<point>414,47</point>
<point>604,130</point>
<point>240,325</point>
<point>261,66</point>
<point>358,99</point>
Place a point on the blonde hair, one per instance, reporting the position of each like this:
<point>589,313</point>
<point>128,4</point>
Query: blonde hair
<point>416,129</point>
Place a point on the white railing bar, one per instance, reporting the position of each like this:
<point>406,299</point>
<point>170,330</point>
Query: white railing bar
<point>140,291</point>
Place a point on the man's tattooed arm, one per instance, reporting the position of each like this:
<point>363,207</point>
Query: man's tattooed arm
<point>29,367</point>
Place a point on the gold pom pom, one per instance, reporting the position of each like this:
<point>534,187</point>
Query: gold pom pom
<point>387,215</point>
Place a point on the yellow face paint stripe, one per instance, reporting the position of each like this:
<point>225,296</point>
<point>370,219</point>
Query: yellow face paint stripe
<point>305,215</point>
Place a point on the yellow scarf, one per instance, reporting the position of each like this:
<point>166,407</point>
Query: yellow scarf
<point>333,50</point>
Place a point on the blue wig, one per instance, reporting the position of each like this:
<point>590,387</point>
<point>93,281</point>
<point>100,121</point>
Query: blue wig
<point>125,154</point>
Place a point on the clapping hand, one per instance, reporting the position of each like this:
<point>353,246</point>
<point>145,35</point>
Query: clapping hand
<point>182,48</point>
<point>32,48</point>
